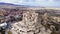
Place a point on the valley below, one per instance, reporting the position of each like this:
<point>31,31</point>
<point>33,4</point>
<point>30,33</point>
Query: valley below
<point>29,20</point>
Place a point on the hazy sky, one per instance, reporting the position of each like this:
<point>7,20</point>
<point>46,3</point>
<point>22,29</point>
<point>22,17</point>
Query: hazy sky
<point>34,2</point>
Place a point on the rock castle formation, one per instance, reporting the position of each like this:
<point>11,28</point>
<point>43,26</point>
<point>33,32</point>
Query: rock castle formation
<point>31,24</point>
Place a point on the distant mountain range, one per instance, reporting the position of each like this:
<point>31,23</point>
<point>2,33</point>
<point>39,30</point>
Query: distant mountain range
<point>10,4</point>
<point>2,4</point>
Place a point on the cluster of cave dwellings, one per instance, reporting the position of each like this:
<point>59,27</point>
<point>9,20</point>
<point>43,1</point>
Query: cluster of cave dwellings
<point>9,16</point>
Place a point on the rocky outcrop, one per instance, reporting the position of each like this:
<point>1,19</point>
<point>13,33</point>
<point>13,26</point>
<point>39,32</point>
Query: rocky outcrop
<point>37,23</point>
